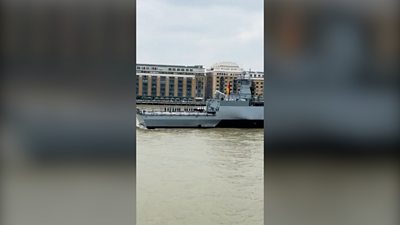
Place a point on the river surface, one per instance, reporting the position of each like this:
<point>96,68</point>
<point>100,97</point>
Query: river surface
<point>200,176</point>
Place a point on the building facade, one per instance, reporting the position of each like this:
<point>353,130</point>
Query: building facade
<point>257,80</point>
<point>156,81</point>
<point>221,76</point>
<point>170,81</point>
<point>224,75</point>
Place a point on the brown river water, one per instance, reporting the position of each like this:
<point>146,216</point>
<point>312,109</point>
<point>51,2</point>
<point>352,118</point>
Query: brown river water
<point>200,176</point>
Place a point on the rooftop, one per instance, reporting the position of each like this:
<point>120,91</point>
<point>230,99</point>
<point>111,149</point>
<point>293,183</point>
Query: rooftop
<point>166,65</point>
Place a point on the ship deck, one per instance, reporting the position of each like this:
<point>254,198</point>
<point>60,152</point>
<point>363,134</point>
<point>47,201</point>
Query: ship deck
<point>160,113</point>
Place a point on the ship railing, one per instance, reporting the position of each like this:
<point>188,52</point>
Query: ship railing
<point>161,113</point>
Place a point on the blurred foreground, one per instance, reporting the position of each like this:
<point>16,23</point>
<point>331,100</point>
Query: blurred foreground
<point>332,112</point>
<point>67,122</point>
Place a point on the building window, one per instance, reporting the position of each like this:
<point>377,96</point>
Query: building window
<point>171,86</point>
<point>221,84</point>
<point>199,88</point>
<point>162,86</point>
<point>180,86</point>
<point>154,86</point>
<point>144,85</point>
<point>137,86</point>
<point>234,86</point>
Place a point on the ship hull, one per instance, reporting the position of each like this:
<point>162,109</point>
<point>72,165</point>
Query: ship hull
<point>177,122</point>
<point>227,116</point>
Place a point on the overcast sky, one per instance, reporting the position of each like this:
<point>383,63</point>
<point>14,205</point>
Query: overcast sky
<point>200,32</point>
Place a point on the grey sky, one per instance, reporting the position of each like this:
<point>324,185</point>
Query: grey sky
<point>200,32</point>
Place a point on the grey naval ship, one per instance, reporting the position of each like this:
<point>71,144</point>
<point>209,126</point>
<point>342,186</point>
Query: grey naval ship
<point>238,111</point>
